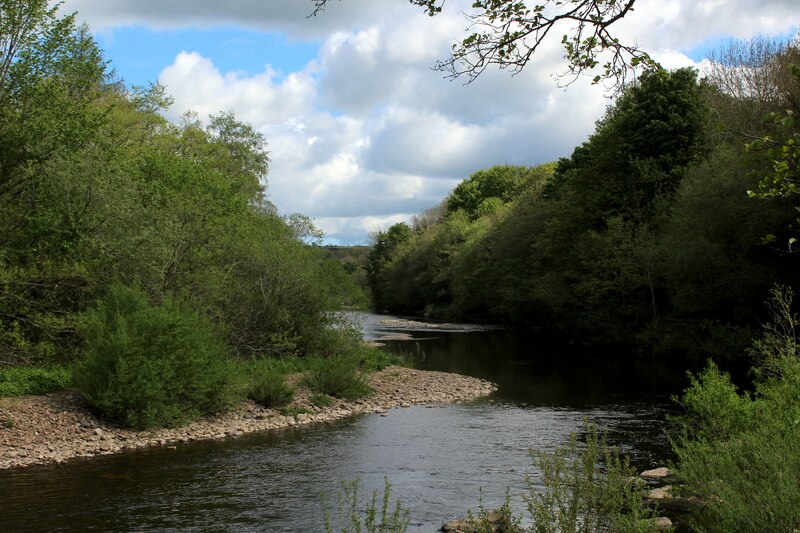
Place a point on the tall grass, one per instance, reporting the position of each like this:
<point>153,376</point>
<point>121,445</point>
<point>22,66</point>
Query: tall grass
<point>587,488</point>
<point>386,518</point>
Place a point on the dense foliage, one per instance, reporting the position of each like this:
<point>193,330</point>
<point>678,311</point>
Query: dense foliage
<point>666,230</point>
<point>646,235</point>
<point>140,259</point>
<point>737,452</point>
<point>96,187</point>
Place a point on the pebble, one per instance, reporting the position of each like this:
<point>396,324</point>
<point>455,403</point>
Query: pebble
<point>58,427</point>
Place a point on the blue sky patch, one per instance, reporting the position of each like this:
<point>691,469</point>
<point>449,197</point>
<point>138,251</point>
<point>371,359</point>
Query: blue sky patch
<point>139,54</point>
<point>701,50</point>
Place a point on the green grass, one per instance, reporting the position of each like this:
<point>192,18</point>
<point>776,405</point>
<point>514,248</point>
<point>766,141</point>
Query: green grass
<point>321,400</point>
<point>23,381</point>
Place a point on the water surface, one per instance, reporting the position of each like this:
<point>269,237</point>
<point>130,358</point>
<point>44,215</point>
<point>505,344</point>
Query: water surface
<point>438,459</point>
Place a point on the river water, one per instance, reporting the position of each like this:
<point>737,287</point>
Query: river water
<point>440,460</point>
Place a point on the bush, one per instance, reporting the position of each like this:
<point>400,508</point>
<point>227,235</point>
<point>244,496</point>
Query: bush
<point>338,376</point>
<point>22,381</point>
<point>268,386</point>
<point>587,490</point>
<point>737,452</point>
<point>740,458</point>
<point>149,365</point>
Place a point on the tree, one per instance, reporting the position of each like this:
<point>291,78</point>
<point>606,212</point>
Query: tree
<point>640,150</point>
<point>380,256</point>
<point>22,25</point>
<point>500,182</point>
<point>50,72</point>
<point>508,34</point>
<point>777,146</point>
<point>51,113</point>
<point>752,79</point>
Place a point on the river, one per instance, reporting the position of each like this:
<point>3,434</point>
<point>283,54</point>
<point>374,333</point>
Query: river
<point>439,459</point>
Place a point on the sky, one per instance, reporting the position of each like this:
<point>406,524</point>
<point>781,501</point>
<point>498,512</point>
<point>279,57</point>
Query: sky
<point>362,132</point>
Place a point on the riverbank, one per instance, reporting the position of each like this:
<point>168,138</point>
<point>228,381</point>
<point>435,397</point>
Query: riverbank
<point>59,427</point>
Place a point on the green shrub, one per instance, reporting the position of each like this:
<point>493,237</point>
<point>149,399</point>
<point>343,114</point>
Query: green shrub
<point>338,376</point>
<point>741,457</point>
<point>738,452</point>
<point>22,381</point>
<point>586,490</point>
<point>268,386</point>
<point>149,365</point>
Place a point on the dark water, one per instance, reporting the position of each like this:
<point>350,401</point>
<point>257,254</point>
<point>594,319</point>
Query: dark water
<point>439,460</point>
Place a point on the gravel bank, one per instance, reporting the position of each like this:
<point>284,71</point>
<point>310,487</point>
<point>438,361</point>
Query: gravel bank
<point>59,427</point>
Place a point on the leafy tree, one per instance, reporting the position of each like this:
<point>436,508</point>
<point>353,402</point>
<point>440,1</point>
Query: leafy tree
<point>639,152</point>
<point>780,150</point>
<point>751,80</point>
<point>51,110</point>
<point>713,261</point>
<point>50,74</point>
<point>380,256</point>
<point>758,98</point>
<point>501,182</point>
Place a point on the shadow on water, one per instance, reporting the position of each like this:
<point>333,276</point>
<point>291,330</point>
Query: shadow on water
<point>438,459</point>
<point>533,374</point>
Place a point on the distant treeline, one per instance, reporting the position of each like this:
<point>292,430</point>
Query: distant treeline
<point>667,228</point>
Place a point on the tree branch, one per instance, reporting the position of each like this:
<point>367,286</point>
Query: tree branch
<point>507,34</point>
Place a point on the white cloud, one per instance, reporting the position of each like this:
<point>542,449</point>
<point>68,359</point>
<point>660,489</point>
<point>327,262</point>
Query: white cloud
<point>682,24</point>
<point>357,230</point>
<point>286,16</point>
<point>367,134</point>
<point>196,84</point>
